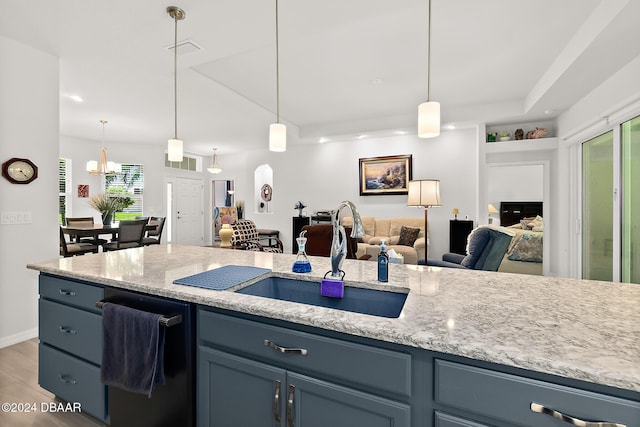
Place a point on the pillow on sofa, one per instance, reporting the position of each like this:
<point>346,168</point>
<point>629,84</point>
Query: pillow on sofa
<point>408,235</point>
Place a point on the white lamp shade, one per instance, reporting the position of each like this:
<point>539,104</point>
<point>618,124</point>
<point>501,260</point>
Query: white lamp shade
<point>92,165</point>
<point>492,209</point>
<point>277,137</point>
<point>174,150</point>
<point>424,192</point>
<point>429,119</point>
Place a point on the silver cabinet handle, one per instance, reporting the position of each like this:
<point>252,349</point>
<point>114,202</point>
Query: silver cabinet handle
<point>67,330</point>
<point>301,351</point>
<point>536,407</point>
<point>67,293</point>
<point>276,401</point>
<point>292,392</point>
<point>66,379</point>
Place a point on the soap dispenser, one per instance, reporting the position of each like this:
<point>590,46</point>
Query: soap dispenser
<point>383,263</point>
<point>301,264</point>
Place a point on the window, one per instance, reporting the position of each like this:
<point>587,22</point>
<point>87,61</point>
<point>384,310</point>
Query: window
<point>64,181</point>
<point>188,163</point>
<point>129,186</point>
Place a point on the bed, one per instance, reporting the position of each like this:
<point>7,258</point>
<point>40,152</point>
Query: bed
<point>524,255</point>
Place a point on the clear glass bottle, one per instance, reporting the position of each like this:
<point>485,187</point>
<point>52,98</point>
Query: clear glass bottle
<point>302,264</point>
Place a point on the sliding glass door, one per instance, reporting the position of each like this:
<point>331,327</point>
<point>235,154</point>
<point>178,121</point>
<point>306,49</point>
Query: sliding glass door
<point>630,253</point>
<point>611,205</point>
<point>597,208</point>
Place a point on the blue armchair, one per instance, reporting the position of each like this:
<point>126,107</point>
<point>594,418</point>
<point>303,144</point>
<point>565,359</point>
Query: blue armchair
<point>485,250</point>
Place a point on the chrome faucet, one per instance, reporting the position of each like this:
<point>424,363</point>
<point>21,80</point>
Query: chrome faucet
<point>338,247</point>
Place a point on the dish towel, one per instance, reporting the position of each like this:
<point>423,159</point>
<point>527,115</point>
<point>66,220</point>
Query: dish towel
<point>132,349</point>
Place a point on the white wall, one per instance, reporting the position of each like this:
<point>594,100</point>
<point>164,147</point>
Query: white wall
<point>507,183</point>
<point>29,128</point>
<point>323,175</point>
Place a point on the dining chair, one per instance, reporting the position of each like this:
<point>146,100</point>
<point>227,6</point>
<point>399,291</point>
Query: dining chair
<point>84,221</point>
<point>154,236</point>
<point>69,249</point>
<point>129,236</point>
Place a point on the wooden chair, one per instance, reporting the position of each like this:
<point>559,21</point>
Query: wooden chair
<point>245,236</point>
<point>154,237</point>
<point>69,249</point>
<point>130,235</point>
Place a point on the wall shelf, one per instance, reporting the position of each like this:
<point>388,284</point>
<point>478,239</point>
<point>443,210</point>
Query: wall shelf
<point>539,144</point>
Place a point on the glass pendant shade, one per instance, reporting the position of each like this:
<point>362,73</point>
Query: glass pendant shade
<point>174,150</point>
<point>214,168</point>
<point>429,119</point>
<point>277,137</point>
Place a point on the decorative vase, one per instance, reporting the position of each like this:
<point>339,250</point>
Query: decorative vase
<point>107,218</point>
<point>225,235</point>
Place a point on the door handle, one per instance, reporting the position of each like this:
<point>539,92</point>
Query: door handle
<point>536,407</point>
<point>276,401</point>
<point>292,392</point>
<point>66,292</point>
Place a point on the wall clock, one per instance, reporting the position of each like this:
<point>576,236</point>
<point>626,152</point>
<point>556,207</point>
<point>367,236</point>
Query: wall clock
<point>266,192</point>
<point>19,171</point>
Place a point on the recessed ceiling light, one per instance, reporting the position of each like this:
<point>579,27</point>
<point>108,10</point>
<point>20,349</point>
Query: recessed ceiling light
<point>361,136</point>
<point>400,132</point>
<point>76,98</point>
<point>323,140</point>
<point>376,82</point>
<point>549,111</point>
<point>451,127</point>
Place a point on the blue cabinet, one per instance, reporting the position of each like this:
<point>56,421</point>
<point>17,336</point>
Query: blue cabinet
<point>256,374</point>
<point>70,349</point>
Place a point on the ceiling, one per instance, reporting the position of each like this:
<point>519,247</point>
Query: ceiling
<point>347,68</point>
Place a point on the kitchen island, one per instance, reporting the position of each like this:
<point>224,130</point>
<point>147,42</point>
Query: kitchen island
<point>582,334</point>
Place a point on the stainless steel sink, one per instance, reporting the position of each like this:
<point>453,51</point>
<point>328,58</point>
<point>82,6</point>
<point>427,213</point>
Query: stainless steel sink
<point>358,300</point>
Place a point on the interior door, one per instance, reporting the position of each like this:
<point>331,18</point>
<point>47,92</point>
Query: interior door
<point>188,223</point>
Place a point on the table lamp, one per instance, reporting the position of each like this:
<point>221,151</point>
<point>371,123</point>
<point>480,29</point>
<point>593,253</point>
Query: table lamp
<point>424,193</point>
<point>455,213</point>
<point>492,210</point>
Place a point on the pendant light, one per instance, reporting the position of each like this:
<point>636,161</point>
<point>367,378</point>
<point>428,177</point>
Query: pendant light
<point>175,145</point>
<point>429,111</point>
<point>214,163</point>
<point>102,166</point>
<point>277,131</point>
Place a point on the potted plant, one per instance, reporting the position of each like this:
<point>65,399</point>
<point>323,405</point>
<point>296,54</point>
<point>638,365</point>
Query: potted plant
<point>105,205</point>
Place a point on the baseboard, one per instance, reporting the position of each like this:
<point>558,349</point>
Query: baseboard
<point>16,338</point>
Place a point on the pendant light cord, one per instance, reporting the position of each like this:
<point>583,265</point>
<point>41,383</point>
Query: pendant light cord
<point>175,77</point>
<point>277,69</point>
<point>429,56</point>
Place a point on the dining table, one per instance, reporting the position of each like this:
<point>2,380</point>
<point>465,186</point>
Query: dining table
<point>96,230</point>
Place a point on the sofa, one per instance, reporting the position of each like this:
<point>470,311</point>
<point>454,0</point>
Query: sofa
<point>391,229</point>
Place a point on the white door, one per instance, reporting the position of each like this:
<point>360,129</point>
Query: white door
<point>188,214</point>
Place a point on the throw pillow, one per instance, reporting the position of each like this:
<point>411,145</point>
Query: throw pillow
<point>408,235</point>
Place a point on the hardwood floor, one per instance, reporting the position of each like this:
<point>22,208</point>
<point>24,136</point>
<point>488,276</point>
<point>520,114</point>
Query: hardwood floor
<point>19,384</point>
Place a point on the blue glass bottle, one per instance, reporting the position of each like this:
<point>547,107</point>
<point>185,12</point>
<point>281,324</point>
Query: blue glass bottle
<point>301,264</point>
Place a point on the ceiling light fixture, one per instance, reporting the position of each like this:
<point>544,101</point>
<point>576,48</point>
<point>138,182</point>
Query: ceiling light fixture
<point>277,131</point>
<point>102,166</point>
<point>175,145</point>
<point>429,111</point>
<point>214,163</point>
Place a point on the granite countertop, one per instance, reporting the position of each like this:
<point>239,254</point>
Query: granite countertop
<point>586,330</point>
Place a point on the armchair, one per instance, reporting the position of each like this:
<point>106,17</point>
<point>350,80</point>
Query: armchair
<point>245,236</point>
<point>486,247</point>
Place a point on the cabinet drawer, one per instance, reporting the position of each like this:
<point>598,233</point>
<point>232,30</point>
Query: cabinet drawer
<point>72,380</point>
<point>446,420</point>
<point>70,292</point>
<point>330,358</point>
<point>76,331</point>
<point>509,398</point>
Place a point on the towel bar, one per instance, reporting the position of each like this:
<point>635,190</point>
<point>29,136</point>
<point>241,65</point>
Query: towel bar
<point>164,320</point>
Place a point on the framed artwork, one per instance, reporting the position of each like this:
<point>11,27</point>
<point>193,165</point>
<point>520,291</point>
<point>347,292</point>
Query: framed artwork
<point>385,175</point>
<point>83,190</point>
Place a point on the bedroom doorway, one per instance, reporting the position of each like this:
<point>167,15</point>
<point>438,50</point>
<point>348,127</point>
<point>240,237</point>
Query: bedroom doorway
<point>526,181</point>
